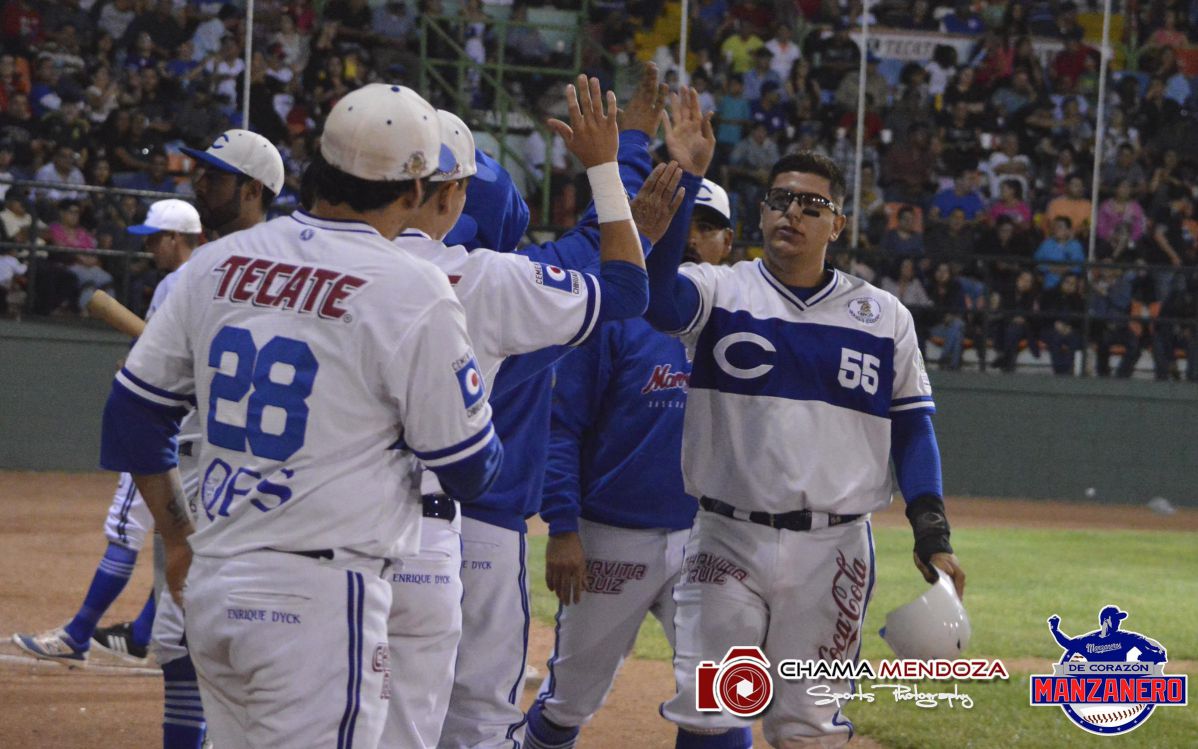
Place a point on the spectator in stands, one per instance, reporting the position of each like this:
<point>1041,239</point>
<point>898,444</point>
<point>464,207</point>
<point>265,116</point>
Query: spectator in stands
<point>66,231</point>
<point>961,195</point>
<point>12,273</point>
<point>155,176</point>
<point>702,84</point>
<point>1007,240</point>
<point>962,138</point>
<point>1007,163</point>
<point>949,302</point>
<point>1063,309</point>
<point>1177,86</point>
<point>1073,205</point>
<point>1070,62</point>
<point>734,114</point>
<point>1110,305</point>
<point>208,36</point>
<point>116,16</point>
<point>941,69</point>
<point>768,110</point>
<point>995,63</point>
<point>909,289</point>
<point>904,240</point>
<point>800,84</point>
<point>760,74</point>
<point>1014,94</point>
<point>1173,240</point>
<point>953,236</point>
<point>21,25</point>
<point>226,70</point>
<point>525,45</point>
<point>738,49</point>
<point>1167,35</point>
<point>919,19</point>
<point>748,174</point>
<point>1118,134</point>
<point>1177,328</point>
<point>1059,253</point>
<point>62,168</point>
<point>963,20</point>
<point>18,127</point>
<point>1124,168</point>
<point>1121,223</point>
<point>785,51</point>
<point>907,168</point>
<point>965,88</point>
<point>1010,204</point>
<point>1017,321</point>
<point>1167,181</point>
<point>388,20</point>
<point>1072,126</point>
<point>835,57</point>
<point>876,88</point>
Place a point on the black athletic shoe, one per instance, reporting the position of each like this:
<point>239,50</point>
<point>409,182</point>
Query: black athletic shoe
<point>118,640</point>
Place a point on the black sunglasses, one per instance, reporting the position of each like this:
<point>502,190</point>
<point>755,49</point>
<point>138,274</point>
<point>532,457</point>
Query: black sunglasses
<point>812,204</point>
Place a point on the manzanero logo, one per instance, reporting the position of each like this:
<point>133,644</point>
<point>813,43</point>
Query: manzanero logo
<point>739,684</point>
<point>1108,681</point>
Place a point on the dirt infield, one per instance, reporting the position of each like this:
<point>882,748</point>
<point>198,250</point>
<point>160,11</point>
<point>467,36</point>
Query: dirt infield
<point>53,538</point>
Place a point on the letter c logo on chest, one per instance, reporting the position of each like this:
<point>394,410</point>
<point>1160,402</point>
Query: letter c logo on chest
<point>720,352</point>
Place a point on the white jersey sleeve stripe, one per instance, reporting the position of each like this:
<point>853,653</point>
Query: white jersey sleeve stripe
<point>925,405</point>
<point>148,392</point>
<point>594,303</point>
<point>460,451</point>
<point>912,399</point>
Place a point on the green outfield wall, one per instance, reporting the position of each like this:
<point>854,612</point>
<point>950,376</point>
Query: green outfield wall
<point>1001,436</point>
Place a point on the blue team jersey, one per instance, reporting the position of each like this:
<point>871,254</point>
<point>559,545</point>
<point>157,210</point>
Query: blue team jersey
<point>521,399</point>
<point>616,432</point>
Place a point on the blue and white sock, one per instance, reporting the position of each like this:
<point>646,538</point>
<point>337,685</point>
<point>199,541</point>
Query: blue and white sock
<point>144,623</point>
<point>115,568</point>
<point>542,733</point>
<point>733,738</point>
<point>183,725</point>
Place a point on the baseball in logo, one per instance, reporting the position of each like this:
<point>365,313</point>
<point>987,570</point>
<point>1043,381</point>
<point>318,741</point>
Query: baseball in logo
<point>1108,681</point>
<point>740,684</point>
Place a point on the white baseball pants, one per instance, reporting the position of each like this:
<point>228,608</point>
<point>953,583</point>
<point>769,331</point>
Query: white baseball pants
<point>423,631</point>
<point>290,651</point>
<point>631,572</point>
<point>484,709</point>
<point>797,594</point>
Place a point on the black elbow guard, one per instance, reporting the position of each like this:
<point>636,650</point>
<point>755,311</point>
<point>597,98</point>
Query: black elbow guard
<point>930,525</point>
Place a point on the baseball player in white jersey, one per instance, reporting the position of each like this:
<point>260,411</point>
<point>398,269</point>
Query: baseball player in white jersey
<point>236,181</point>
<point>308,345</point>
<point>172,230</point>
<point>513,306</point>
<point>617,512</point>
<point>806,382</point>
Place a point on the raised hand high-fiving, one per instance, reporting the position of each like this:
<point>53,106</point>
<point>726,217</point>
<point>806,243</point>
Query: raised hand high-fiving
<point>689,137</point>
<point>593,134</point>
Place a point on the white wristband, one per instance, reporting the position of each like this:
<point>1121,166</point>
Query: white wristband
<point>607,190</point>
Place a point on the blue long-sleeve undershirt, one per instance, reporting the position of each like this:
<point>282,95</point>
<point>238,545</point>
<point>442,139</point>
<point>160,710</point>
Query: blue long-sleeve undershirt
<point>673,299</point>
<point>916,455</point>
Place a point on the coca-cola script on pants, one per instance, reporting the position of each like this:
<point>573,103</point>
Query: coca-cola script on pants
<point>848,591</point>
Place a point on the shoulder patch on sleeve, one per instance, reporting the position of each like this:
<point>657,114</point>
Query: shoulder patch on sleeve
<point>554,277</point>
<point>470,382</point>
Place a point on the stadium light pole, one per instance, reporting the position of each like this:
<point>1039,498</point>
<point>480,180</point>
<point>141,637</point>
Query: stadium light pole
<point>1099,126</point>
<point>861,123</point>
<point>683,27</point>
<point>249,52</point>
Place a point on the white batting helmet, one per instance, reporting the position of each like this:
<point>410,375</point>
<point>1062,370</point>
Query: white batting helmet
<point>935,625</point>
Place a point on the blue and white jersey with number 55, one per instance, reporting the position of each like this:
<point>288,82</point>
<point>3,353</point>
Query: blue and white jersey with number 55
<point>307,347</point>
<point>790,399</point>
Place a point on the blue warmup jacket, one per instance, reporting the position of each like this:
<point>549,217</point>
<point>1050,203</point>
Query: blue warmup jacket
<point>521,392</point>
<point>616,434</point>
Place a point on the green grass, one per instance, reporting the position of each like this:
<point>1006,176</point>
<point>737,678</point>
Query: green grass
<point>1017,578</point>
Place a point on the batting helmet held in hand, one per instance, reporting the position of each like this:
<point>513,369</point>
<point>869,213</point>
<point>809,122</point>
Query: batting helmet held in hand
<point>935,625</point>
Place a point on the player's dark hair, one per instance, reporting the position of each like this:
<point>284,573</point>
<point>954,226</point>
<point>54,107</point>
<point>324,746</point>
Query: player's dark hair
<point>809,162</point>
<point>323,181</point>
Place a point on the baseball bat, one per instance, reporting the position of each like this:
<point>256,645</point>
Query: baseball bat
<point>103,307</point>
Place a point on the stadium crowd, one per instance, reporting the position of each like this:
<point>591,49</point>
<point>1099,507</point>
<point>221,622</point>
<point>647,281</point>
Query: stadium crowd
<point>975,200</point>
